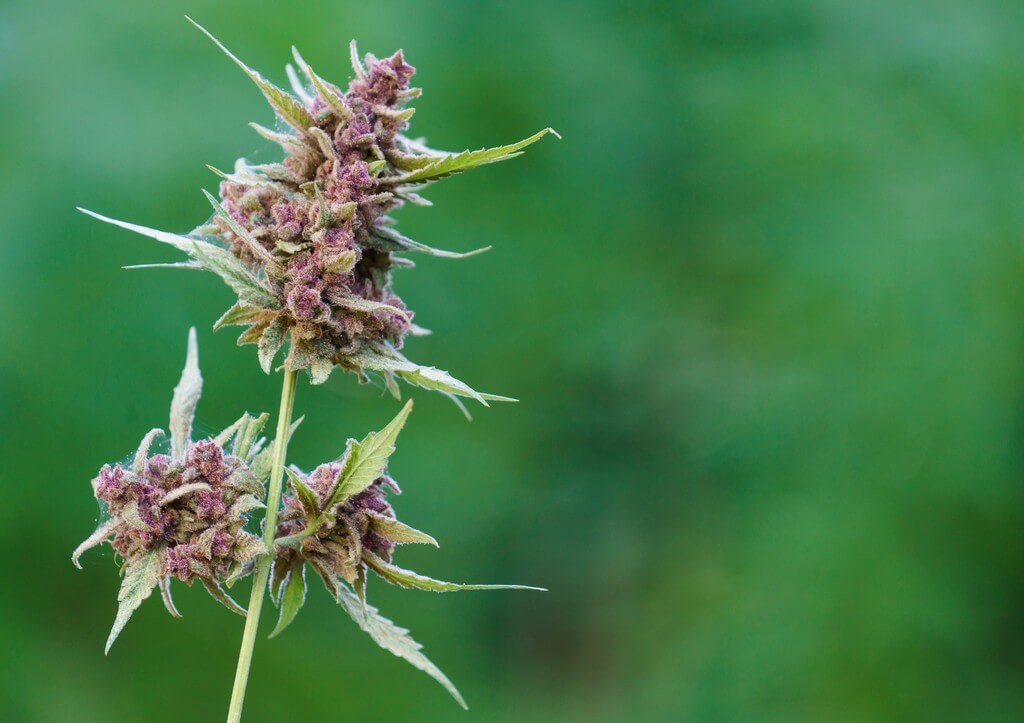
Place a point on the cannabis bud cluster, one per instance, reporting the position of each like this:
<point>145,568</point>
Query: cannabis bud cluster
<point>307,245</point>
<point>183,514</point>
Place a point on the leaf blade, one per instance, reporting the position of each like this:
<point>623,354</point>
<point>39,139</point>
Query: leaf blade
<point>366,460</point>
<point>141,576</point>
<point>292,598</point>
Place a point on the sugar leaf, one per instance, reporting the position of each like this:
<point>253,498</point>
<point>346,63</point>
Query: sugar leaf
<point>290,110</point>
<point>391,240</point>
<point>386,634</point>
<point>254,246</point>
<point>213,258</point>
<point>292,598</point>
<point>217,593</point>
<point>186,397</point>
<point>141,575</point>
<point>459,162</point>
<point>307,497</point>
<point>98,537</point>
<point>409,579</point>
<point>270,342</point>
<point>366,460</point>
<point>142,453</point>
<point>398,532</point>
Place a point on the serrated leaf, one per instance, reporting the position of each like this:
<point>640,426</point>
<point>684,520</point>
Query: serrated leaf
<point>270,342</point>
<point>292,598</point>
<point>330,94</point>
<point>387,359</point>
<point>186,397</point>
<point>387,635</point>
<point>248,431</point>
<point>141,575</point>
<point>290,110</point>
<point>254,246</point>
<point>242,315</point>
<point>390,240</point>
<point>217,593</point>
<point>307,497</point>
<point>459,162</point>
<point>243,505</point>
<point>366,460</point>
<point>142,453</point>
<point>98,537</point>
<point>398,532</point>
<point>232,272</point>
<point>213,258</point>
<point>320,369</point>
<point>409,579</point>
<point>368,306</point>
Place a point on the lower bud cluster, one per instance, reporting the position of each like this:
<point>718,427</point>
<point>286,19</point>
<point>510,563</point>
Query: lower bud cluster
<point>194,510</point>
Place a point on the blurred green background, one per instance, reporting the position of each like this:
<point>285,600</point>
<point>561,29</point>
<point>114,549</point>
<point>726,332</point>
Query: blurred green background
<point>762,305</point>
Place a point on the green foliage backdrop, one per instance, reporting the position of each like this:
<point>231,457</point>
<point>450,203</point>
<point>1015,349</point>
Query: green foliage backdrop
<point>762,305</point>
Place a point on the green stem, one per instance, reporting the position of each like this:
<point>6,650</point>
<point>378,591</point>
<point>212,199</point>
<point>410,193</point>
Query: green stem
<point>259,585</point>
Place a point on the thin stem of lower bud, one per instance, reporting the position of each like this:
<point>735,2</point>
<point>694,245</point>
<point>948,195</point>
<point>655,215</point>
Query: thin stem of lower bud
<point>259,584</point>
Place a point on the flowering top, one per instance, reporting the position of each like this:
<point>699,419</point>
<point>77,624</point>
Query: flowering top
<point>338,522</point>
<point>182,514</point>
<point>307,243</point>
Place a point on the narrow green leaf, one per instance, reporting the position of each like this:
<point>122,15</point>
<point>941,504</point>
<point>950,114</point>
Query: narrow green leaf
<point>391,240</point>
<point>398,532</point>
<point>307,497</point>
<point>142,453</point>
<point>328,92</point>
<point>365,461</point>
<point>193,265</point>
<point>254,246</point>
<point>459,162</point>
<point>386,359</point>
<point>290,110</point>
<point>358,303</point>
<point>98,537</point>
<point>246,286</point>
<point>165,593</point>
<point>409,579</point>
<point>217,593</point>
<point>186,397</point>
<point>241,315</point>
<point>213,258</point>
<point>248,431</point>
<point>292,598</point>
<point>141,575</point>
<point>387,635</point>
<point>270,342</point>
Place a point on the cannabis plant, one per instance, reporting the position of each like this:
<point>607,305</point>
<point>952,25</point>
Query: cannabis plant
<point>307,245</point>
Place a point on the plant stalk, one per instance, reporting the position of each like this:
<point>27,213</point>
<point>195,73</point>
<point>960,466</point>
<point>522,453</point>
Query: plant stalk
<point>259,585</point>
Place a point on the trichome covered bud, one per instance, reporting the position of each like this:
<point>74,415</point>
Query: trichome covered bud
<point>338,522</point>
<point>308,243</point>
<point>182,514</point>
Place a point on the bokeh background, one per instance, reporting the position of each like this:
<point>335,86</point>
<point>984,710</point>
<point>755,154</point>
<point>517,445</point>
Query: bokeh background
<point>762,305</point>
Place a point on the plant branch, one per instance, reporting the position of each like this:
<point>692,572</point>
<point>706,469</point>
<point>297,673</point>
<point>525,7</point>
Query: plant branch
<point>259,584</point>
